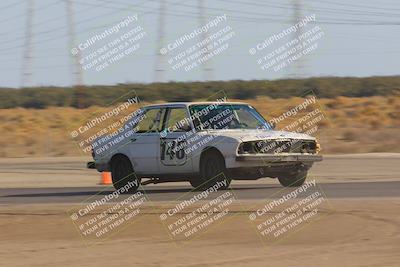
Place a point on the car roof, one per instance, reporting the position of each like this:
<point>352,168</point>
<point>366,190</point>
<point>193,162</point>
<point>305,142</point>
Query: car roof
<point>185,104</point>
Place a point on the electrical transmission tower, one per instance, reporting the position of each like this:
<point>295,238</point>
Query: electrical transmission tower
<point>207,71</point>
<point>26,75</point>
<point>206,67</point>
<point>160,60</point>
<point>76,69</point>
<point>299,65</point>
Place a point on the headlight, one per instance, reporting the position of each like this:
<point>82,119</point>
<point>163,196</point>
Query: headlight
<point>246,148</point>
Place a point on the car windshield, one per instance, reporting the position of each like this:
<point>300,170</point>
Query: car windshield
<point>227,116</point>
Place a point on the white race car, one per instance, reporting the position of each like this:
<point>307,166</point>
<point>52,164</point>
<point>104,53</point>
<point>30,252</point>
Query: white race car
<point>204,143</point>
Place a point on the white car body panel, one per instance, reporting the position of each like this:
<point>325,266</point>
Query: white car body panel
<point>144,152</point>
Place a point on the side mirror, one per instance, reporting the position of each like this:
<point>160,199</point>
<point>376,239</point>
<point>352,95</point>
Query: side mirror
<point>196,123</point>
<point>185,128</point>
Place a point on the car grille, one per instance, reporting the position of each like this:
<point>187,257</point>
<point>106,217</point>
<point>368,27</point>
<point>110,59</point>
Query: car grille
<point>278,146</point>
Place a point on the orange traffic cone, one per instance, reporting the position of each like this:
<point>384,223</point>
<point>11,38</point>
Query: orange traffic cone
<point>106,178</point>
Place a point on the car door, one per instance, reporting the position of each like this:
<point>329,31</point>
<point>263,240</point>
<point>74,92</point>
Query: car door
<point>143,148</point>
<point>174,148</point>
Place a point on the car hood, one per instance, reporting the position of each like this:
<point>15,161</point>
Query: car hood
<point>244,135</point>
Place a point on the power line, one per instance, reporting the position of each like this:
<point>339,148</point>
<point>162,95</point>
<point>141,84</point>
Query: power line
<point>335,11</point>
<point>45,22</point>
<point>22,14</point>
<point>327,10</point>
<point>235,18</point>
<point>11,5</point>
<point>254,19</point>
<point>80,22</point>
<point>357,6</point>
<point>240,19</point>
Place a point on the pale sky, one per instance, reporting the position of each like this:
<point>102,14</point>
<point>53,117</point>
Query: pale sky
<point>361,38</point>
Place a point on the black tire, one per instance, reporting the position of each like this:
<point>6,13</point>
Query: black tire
<point>122,173</point>
<point>195,182</point>
<point>212,171</point>
<point>292,179</point>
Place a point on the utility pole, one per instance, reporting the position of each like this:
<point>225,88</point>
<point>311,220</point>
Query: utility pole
<point>206,67</point>
<point>76,69</point>
<point>160,59</point>
<point>298,65</point>
<point>26,75</point>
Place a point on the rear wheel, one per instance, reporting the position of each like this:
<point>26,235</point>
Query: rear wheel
<point>123,175</point>
<point>293,179</point>
<point>212,172</point>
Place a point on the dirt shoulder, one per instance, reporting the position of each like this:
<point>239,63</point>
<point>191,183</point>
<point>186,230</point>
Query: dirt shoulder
<point>354,233</point>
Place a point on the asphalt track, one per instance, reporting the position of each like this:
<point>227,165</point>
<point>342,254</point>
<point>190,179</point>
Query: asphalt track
<point>345,176</point>
<point>172,193</point>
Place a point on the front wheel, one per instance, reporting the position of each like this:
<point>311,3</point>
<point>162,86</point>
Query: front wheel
<point>195,182</point>
<point>292,179</point>
<point>213,172</point>
<point>123,175</point>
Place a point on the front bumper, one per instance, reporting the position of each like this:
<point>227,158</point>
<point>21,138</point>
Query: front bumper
<point>279,158</point>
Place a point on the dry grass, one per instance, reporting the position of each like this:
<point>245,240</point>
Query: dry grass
<point>351,125</point>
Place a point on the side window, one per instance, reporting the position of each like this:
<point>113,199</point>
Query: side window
<point>177,120</point>
<point>151,121</point>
